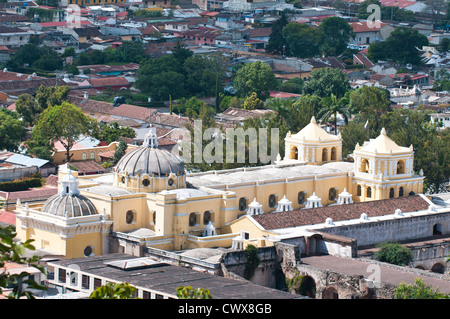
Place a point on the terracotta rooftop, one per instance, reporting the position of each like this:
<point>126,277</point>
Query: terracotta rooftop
<point>109,81</point>
<point>31,193</point>
<point>7,217</point>
<point>365,27</point>
<point>170,120</point>
<point>311,216</point>
<point>87,167</point>
<point>132,111</point>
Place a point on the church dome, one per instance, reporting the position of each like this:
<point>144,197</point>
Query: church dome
<point>69,206</point>
<point>148,159</point>
<point>69,202</point>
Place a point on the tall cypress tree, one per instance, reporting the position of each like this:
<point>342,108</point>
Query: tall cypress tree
<point>277,43</point>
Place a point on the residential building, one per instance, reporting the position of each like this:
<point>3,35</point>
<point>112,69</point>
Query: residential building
<point>13,36</point>
<point>366,33</point>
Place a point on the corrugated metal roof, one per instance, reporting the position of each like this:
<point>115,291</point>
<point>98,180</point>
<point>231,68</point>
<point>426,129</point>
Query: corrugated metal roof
<point>26,160</point>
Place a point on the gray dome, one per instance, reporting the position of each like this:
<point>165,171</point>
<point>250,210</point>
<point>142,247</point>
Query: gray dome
<point>149,160</point>
<point>69,206</point>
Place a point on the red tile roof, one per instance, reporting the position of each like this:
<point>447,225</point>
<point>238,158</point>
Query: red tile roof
<point>7,217</point>
<point>311,216</point>
<point>132,111</point>
<point>86,167</point>
<point>31,193</point>
<point>365,27</point>
<point>109,81</point>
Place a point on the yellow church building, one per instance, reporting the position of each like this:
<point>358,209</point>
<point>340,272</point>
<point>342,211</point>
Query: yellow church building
<point>149,200</point>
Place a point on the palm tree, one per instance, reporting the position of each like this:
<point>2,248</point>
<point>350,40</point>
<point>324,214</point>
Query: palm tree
<point>281,107</point>
<point>331,106</point>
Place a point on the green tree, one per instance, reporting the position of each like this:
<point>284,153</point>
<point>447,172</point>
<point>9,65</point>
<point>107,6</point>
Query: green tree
<point>418,291</point>
<point>191,293</point>
<point>12,131</point>
<point>393,253</point>
<point>277,43</point>
<point>160,78</point>
<point>27,107</point>
<point>112,132</point>
<point>442,80</point>
<point>14,251</point>
<point>303,41</point>
<point>114,291</point>
<point>253,260</point>
<point>30,108</point>
<point>332,106</point>
<point>282,107</point>
<point>294,85</point>
<point>352,133</point>
<point>326,81</point>
<point>252,102</point>
<point>400,47</point>
<point>63,123</point>
<point>70,51</point>
<point>302,110</point>
<point>370,103</point>
<point>255,77</point>
<point>120,152</point>
<point>337,32</point>
<point>202,73</point>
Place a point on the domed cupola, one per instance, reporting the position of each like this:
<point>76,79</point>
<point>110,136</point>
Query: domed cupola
<point>69,202</point>
<point>149,169</point>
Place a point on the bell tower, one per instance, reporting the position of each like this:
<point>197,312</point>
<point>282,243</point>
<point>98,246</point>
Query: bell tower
<point>312,145</point>
<point>384,170</point>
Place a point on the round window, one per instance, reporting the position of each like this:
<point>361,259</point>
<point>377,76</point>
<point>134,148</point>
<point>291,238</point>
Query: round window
<point>170,182</point>
<point>146,182</point>
<point>123,179</point>
<point>88,251</point>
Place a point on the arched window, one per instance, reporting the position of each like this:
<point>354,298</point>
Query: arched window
<point>192,219</point>
<point>206,217</point>
<point>333,154</point>
<point>294,153</point>
<point>324,155</point>
<point>401,167</point>
<point>358,190</point>
<point>92,155</point>
<point>438,268</point>
<point>84,156</point>
<point>391,193</point>
<point>364,168</point>
<point>242,204</point>
<point>301,197</point>
<point>437,229</point>
<point>129,217</point>
<point>369,192</point>
<point>332,193</point>
<point>272,200</point>
<point>400,192</point>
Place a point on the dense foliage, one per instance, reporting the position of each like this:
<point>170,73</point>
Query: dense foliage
<point>393,253</point>
<point>418,291</point>
<point>13,251</point>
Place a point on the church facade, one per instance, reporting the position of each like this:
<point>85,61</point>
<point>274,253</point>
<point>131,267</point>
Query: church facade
<point>149,200</point>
